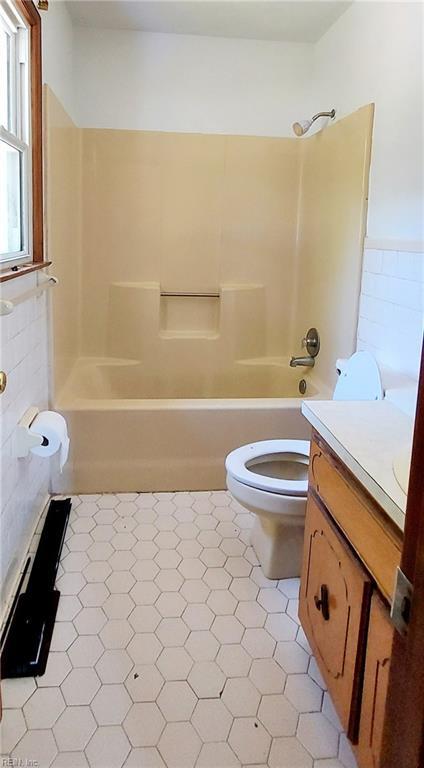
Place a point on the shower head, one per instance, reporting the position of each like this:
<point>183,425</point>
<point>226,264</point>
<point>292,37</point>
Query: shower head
<point>303,126</point>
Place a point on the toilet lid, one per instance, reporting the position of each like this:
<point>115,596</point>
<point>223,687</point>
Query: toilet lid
<point>360,379</point>
<point>253,465</point>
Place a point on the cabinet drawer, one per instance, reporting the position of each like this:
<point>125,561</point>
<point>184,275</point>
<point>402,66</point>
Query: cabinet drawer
<point>376,680</point>
<point>334,603</point>
<point>372,535</point>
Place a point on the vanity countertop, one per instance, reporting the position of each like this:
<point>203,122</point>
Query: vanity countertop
<point>366,436</point>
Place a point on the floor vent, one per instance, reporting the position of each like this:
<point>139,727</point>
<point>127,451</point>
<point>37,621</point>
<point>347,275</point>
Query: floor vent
<point>29,631</point>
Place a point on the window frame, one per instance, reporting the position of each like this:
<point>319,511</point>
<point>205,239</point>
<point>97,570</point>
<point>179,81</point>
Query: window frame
<point>10,269</point>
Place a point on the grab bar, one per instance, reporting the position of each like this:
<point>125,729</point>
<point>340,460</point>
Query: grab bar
<point>193,294</point>
<point>7,306</point>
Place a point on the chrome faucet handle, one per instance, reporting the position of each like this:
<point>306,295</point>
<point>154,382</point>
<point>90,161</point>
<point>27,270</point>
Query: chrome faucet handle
<point>312,342</point>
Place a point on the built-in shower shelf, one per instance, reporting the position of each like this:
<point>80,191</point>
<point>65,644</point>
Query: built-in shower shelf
<point>184,334</point>
<point>189,316</point>
<point>228,322</point>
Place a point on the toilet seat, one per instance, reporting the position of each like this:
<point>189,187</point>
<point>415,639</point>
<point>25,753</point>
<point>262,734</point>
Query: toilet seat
<point>269,478</point>
<point>238,461</point>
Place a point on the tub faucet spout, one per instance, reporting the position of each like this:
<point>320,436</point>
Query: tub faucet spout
<point>307,361</point>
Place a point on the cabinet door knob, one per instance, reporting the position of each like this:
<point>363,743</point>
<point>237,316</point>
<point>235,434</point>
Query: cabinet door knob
<point>322,603</point>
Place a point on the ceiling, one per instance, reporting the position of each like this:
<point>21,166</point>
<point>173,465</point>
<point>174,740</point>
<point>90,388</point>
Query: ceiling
<point>299,21</point>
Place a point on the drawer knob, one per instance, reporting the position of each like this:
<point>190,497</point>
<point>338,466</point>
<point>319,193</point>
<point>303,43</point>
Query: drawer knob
<point>322,603</point>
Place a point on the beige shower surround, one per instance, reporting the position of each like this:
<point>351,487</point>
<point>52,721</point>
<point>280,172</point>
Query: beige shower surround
<point>275,226</point>
<point>63,218</point>
<point>191,212</point>
<point>332,227</point>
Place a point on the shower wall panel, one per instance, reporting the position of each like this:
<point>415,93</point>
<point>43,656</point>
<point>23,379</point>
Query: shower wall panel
<point>190,212</point>
<point>62,182</point>
<point>332,226</point>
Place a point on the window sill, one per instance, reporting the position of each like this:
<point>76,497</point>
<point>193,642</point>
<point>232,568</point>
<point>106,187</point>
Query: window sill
<point>24,269</point>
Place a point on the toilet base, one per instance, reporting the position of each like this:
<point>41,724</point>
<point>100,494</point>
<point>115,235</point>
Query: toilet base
<point>278,530</point>
<point>278,547</point>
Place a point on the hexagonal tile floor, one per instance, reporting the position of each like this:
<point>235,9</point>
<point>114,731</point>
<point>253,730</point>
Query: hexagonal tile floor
<point>171,649</point>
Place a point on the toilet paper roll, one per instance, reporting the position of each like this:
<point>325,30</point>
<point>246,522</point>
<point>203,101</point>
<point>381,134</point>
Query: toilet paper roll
<point>52,426</point>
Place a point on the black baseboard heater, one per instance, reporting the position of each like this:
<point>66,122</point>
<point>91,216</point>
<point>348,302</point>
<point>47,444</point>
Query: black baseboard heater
<point>28,631</point>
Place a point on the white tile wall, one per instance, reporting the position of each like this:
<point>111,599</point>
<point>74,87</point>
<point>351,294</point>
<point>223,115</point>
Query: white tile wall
<point>24,482</point>
<point>392,308</point>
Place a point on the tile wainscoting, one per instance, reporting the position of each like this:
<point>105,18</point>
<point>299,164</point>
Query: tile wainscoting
<point>24,482</point>
<point>392,308</point>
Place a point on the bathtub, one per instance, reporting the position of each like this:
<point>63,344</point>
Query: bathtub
<point>136,429</point>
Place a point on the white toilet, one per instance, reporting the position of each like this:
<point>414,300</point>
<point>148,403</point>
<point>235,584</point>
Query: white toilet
<point>270,478</point>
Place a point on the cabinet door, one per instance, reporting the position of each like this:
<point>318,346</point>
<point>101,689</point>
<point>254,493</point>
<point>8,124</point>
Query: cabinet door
<point>334,603</point>
<point>366,527</point>
<point>377,663</point>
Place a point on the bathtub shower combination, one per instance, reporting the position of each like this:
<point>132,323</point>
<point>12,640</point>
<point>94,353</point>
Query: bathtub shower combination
<point>190,267</point>
<point>166,415</point>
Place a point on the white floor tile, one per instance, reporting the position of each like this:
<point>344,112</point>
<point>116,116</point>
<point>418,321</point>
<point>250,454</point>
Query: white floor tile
<point>291,657</point>
<point>148,757</point>
<point>172,632</point>
<point>179,745</point>
<point>144,683</point>
<point>227,629</point>
<point>267,676</point>
<point>70,760</point>
<point>241,697</point>
<point>175,663</point>
<point>250,614</point>
<point>234,661</point>
<point>144,618</point>
<point>108,747</point>
<point>317,735</point>
<point>206,679</point>
<point>38,746</point>
<point>219,754</point>
<point>44,707</point>
<point>176,701</point>
<point>212,720</point>
<point>86,650</point>
<point>289,753</point>
<point>202,645</point>
<point>172,649</point>
<point>116,633</point>
<point>12,729</point>
<point>111,704</point>
<point>144,724</point>
<point>303,693</point>
<point>114,666</point>
<point>258,643</point>
<point>278,716</point>
<point>74,729</point>
<point>16,691</point>
<point>249,740</point>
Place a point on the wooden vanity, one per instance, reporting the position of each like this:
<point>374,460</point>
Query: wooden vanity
<point>351,551</point>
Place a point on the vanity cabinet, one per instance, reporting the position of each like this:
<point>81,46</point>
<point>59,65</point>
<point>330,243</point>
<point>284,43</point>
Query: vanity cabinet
<point>376,680</point>
<point>369,532</point>
<point>351,551</point>
<point>334,604</point>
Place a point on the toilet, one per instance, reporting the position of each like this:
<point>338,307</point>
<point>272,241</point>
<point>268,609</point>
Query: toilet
<point>270,478</point>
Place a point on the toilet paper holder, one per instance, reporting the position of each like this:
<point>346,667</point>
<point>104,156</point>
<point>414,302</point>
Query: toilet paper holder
<point>24,439</point>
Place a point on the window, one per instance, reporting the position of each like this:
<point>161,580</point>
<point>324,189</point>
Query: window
<point>20,134</point>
